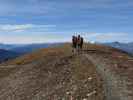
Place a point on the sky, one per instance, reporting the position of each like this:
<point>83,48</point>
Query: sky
<point>38,21</point>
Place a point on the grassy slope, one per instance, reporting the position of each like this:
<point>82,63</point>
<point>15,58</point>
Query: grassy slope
<point>28,58</point>
<point>62,50</point>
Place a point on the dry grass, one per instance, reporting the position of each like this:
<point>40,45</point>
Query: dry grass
<point>28,58</point>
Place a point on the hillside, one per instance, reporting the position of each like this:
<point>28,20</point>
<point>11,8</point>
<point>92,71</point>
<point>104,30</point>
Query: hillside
<point>98,73</point>
<point>28,48</point>
<point>7,54</point>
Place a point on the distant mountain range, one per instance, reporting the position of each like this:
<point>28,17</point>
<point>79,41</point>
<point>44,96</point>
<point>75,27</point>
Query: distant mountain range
<point>127,47</point>
<point>10,51</point>
<point>26,48</point>
<point>8,46</point>
<point>6,55</point>
<point>32,47</point>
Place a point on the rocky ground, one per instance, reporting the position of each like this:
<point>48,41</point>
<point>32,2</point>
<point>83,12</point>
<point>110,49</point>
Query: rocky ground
<point>98,73</point>
<point>50,75</point>
<point>116,68</point>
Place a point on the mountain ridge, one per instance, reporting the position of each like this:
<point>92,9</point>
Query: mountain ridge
<point>127,47</point>
<point>98,73</point>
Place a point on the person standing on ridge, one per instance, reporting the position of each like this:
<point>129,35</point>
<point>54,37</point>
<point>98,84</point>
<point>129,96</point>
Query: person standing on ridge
<point>78,42</point>
<point>81,43</point>
<point>74,43</point>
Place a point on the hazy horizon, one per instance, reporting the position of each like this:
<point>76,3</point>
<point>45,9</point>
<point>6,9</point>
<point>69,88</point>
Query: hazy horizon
<point>42,21</point>
<point>60,42</point>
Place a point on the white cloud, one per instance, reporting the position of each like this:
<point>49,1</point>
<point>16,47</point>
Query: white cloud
<point>17,28</point>
<point>32,39</point>
<point>37,37</point>
<point>107,37</point>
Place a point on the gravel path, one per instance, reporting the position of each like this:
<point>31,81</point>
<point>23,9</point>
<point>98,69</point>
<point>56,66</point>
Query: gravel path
<point>115,86</point>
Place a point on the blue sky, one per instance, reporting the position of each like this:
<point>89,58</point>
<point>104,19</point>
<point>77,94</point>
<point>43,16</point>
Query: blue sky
<point>36,21</point>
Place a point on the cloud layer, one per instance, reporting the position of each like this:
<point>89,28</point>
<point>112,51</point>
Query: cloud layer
<point>41,37</point>
<point>23,27</point>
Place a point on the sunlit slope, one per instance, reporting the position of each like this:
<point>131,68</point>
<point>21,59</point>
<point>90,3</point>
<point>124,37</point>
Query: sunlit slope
<point>61,50</point>
<point>42,53</point>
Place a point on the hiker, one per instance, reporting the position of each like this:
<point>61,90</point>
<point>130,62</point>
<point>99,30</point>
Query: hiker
<point>79,42</point>
<point>74,43</point>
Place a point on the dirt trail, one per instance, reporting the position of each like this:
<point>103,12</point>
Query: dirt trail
<point>115,85</point>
